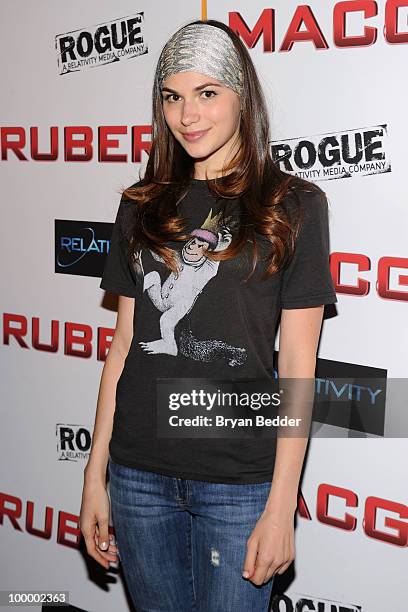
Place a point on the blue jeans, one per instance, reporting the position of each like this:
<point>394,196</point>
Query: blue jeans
<point>182,543</point>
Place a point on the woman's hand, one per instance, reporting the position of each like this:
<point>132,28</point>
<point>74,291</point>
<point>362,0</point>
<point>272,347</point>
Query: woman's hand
<point>94,523</point>
<point>270,547</point>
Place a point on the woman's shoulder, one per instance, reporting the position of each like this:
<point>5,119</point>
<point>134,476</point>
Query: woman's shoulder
<point>304,190</point>
<point>126,205</point>
<point>127,191</point>
<point>306,197</point>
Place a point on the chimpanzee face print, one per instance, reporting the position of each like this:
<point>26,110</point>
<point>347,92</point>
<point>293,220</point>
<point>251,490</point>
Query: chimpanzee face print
<point>195,249</point>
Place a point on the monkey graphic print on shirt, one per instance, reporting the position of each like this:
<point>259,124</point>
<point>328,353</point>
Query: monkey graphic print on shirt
<point>206,322</point>
<point>175,297</point>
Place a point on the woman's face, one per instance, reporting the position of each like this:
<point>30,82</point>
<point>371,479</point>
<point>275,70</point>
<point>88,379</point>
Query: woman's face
<point>194,102</point>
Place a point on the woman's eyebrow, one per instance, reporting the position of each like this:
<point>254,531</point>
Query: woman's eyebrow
<point>195,88</point>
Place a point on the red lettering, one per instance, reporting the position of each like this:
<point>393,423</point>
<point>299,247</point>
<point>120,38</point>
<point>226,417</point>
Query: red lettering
<point>370,518</point>
<point>105,143</point>
<point>369,8</point>
<point>391,33</point>
<point>385,264</point>
<point>302,508</point>
<point>71,338</point>
<point>72,143</point>
<point>40,533</point>
<point>16,332</point>
<point>13,145</point>
<point>40,346</point>
<point>362,262</point>
<point>12,513</point>
<point>265,27</point>
<point>69,533</point>
<point>139,145</point>
<point>105,336</point>
<point>53,154</point>
<point>75,334</point>
<point>303,16</point>
<point>64,529</point>
<point>324,491</point>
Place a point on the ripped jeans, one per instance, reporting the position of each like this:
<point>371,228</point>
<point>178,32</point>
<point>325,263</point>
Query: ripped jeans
<point>182,543</point>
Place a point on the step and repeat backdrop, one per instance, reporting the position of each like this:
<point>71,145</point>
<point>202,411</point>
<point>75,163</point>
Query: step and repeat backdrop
<point>75,127</point>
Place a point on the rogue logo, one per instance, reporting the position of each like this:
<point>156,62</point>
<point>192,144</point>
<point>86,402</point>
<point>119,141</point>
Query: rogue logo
<point>73,442</point>
<point>102,44</point>
<point>336,155</point>
<point>308,603</point>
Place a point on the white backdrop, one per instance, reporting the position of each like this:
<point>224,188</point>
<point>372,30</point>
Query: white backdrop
<point>312,93</point>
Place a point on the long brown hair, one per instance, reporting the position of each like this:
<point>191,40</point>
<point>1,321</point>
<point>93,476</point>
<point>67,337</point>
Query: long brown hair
<point>252,176</point>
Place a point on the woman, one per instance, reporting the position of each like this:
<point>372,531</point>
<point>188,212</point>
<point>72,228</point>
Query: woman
<point>212,245</point>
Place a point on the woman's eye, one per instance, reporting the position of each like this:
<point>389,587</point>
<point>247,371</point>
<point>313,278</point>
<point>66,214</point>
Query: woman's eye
<point>209,91</point>
<point>170,96</point>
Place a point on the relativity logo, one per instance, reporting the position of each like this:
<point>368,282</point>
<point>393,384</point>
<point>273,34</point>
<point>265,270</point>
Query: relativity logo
<point>336,155</point>
<point>81,247</point>
<point>351,396</point>
<point>101,44</point>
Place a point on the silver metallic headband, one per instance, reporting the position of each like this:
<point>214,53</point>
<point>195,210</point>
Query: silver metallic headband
<point>202,48</point>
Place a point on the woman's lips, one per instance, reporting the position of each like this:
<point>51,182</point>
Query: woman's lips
<point>193,136</point>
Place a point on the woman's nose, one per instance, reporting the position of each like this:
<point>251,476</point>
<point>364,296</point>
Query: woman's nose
<point>189,113</point>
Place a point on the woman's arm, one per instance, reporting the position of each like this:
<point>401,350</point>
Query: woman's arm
<point>94,514</point>
<point>95,469</point>
<point>298,340</point>
<point>271,546</point>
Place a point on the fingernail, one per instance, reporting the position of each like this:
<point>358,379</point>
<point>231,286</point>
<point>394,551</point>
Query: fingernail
<point>103,545</point>
<point>245,574</point>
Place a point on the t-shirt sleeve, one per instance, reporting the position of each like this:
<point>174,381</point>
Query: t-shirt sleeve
<point>117,276</point>
<point>307,280</point>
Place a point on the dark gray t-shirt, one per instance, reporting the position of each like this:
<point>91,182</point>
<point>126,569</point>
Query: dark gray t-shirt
<point>207,323</point>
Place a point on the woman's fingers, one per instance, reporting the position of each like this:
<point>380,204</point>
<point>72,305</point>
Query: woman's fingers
<point>94,524</point>
<point>251,552</point>
<point>111,554</point>
<point>104,558</point>
<point>92,548</point>
<point>103,533</point>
